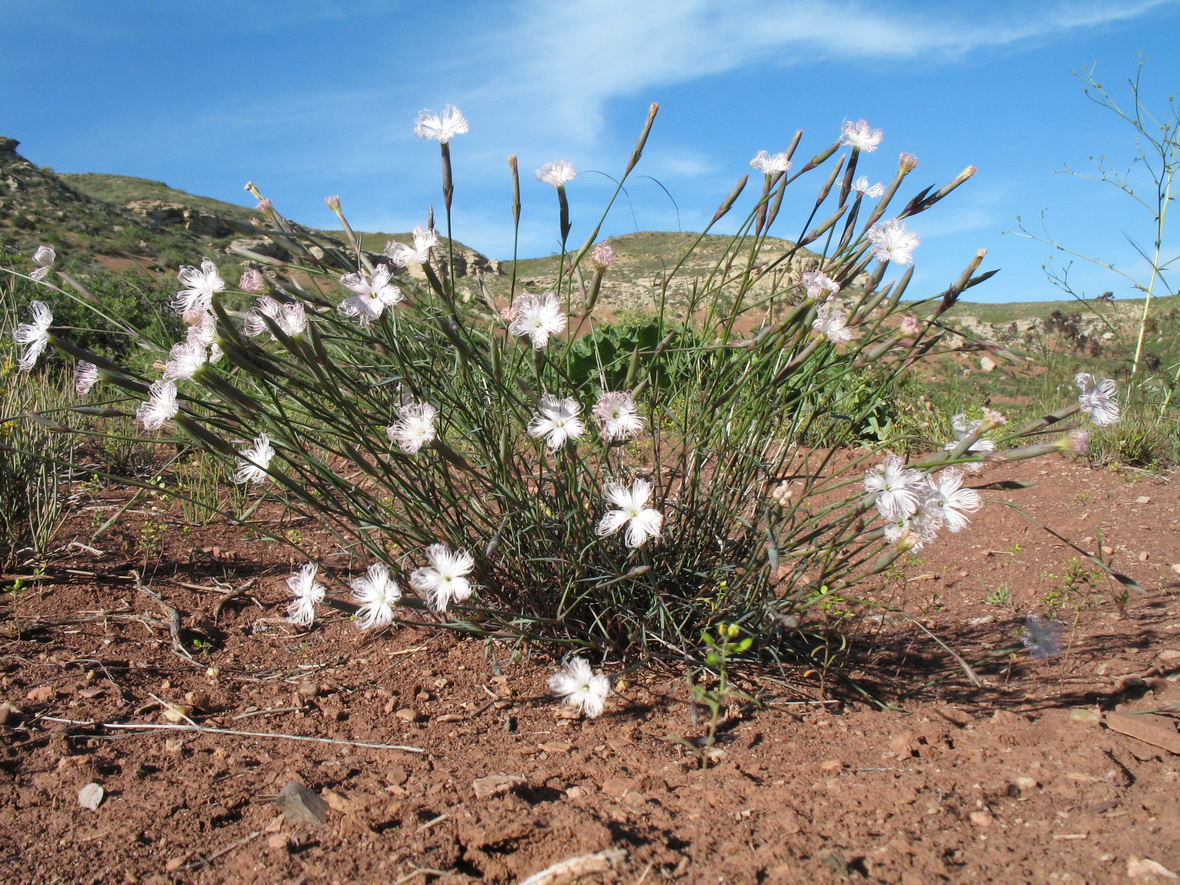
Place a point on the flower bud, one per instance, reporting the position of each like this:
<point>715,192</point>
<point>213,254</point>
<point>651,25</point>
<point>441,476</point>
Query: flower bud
<point>602,256</point>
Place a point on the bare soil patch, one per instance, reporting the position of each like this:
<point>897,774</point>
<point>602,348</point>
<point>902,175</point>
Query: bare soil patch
<point>1030,776</point>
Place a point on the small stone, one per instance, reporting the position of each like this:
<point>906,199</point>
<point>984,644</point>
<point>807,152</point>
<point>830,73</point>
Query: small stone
<point>557,747</point>
<point>308,690</point>
<point>575,792</point>
<point>176,863</point>
<point>1025,783</point>
<point>955,716</point>
<point>981,818</point>
<point>406,714</point>
<point>497,785</point>
<point>1084,714</point>
<point>277,842</point>
<point>1145,866</point>
<point>1142,499</point>
<point>1144,556</point>
<point>987,364</point>
<point>10,715</point>
<point>301,805</point>
<point>176,713</point>
<point>91,796</point>
<point>1176,567</point>
<point>41,694</point>
<point>832,765</point>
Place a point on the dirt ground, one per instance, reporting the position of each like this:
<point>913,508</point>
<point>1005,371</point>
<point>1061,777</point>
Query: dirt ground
<point>427,758</point>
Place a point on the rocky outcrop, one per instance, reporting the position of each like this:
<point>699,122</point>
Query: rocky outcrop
<point>176,215</point>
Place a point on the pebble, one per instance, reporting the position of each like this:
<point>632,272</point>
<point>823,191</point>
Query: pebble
<point>406,714</point>
<point>981,818</point>
<point>301,805</point>
<point>91,796</point>
<point>497,785</point>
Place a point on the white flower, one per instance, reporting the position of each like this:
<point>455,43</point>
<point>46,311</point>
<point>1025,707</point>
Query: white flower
<point>898,489</point>
<point>425,239</point>
<point>200,285</point>
<point>203,333</point>
<point>43,258</point>
<point>254,461</point>
<point>252,281</point>
<point>832,323</point>
<point>378,594</point>
<point>617,416</point>
<point>963,429</point>
<point>580,687</point>
<point>815,283</point>
<point>444,581</point>
<point>872,191</point>
<point>372,295</point>
<point>952,500</point>
<point>537,316</point>
<point>556,173</point>
<point>892,242</point>
<point>160,407</point>
<point>917,530</point>
<point>441,129</point>
<point>860,136</point>
<point>414,427</point>
<point>307,592</point>
<point>557,420</point>
<point>290,317</point>
<point>85,377</point>
<point>35,335</point>
<point>1098,398</point>
<point>642,522</point>
<point>771,163</point>
<point>184,360</point>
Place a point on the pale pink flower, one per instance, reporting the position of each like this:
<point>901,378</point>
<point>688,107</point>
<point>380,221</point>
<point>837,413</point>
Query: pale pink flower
<point>255,461</point>
<point>537,316</point>
<point>915,531</point>
<point>43,257</point>
<point>580,687</point>
<point>617,416</point>
<point>870,191</point>
<point>643,523</point>
<point>425,239</point>
<point>860,136</point>
<point>907,163</point>
<point>34,336</point>
<point>161,406</point>
<point>1098,399</point>
<point>440,128</point>
<point>444,581</point>
<point>954,501</point>
<point>602,256</point>
<point>372,296</point>
<point>892,242</point>
<point>377,594</point>
<point>557,421</point>
<point>414,427</point>
<point>771,164</point>
<point>962,429</point>
<point>831,322</point>
<point>252,281</point>
<point>200,285</point>
<point>816,283</point>
<point>85,377</point>
<point>184,360</point>
<point>898,489</point>
<point>308,593</point>
<point>557,173</point>
<point>290,317</point>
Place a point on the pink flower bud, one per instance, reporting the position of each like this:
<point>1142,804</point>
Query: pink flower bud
<point>602,256</point>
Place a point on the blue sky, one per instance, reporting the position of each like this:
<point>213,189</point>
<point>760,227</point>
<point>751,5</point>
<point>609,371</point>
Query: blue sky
<point>315,97</point>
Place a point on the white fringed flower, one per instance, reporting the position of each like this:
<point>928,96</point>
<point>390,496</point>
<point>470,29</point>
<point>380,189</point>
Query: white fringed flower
<point>557,421</point>
<point>962,429</point>
<point>414,427</point>
<point>831,322</point>
<point>898,489</point>
<point>1098,398</point>
<point>85,377</point>
<point>440,128</point>
<point>254,461</point>
<point>377,594</point>
<point>643,523</point>
<point>444,581</point>
<point>538,317</point>
<point>952,500</point>
<point>184,360</point>
<point>373,294</point>
<point>161,406</point>
<point>892,242</point>
<point>200,284</point>
<point>617,416</point>
<point>818,285</point>
<point>43,257</point>
<point>308,593</point>
<point>860,136</point>
<point>580,687</point>
<point>34,336</point>
<point>771,164</point>
<point>557,173</point>
<point>871,191</point>
<point>425,239</point>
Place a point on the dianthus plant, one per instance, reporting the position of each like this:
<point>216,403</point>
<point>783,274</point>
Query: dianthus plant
<point>454,443</point>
